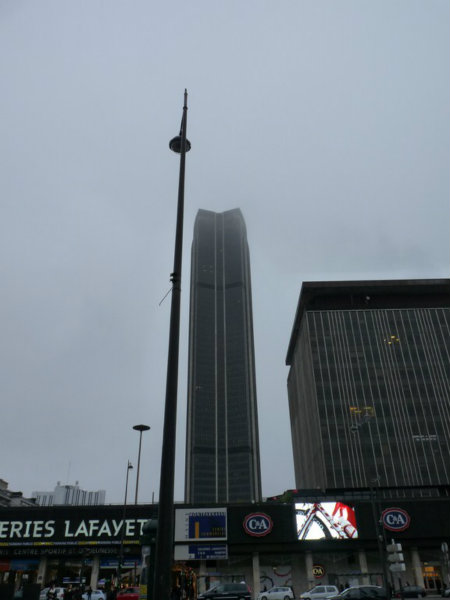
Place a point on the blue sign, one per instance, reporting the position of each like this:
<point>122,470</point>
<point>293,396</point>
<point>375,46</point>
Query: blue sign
<point>208,551</point>
<point>128,563</point>
<point>24,564</point>
<point>206,525</point>
<point>201,524</point>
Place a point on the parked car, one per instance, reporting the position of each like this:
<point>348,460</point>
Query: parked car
<point>277,593</point>
<point>95,595</point>
<point>129,593</point>
<point>362,592</point>
<point>411,591</point>
<point>319,592</point>
<point>227,591</point>
<point>59,593</point>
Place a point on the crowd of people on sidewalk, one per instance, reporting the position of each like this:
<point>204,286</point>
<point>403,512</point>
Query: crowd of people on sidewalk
<point>79,592</point>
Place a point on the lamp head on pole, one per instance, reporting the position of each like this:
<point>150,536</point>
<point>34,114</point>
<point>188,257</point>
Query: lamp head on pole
<point>141,427</point>
<point>175,144</point>
<point>130,466</point>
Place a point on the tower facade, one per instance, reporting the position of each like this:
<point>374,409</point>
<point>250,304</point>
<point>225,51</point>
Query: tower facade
<point>369,384</point>
<point>222,446</point>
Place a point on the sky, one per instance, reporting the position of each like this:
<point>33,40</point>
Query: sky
<point>325,121</point>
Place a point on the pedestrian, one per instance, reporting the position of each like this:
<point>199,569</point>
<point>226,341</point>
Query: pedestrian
<point>51,592</point>
<point>78,593</point>
<point>68,592</point>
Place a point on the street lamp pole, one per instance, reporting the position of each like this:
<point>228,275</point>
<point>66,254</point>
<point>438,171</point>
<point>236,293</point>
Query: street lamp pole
<point>139,428</point>
<point>122,535</point>
<point>366,420</point>
<point>164,539</point>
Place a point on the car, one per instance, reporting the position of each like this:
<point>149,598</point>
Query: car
<point>59,593</point>
<point>277,593</point>
<point>95,595</point>
<point>129,593</point>
<point>411,591</point>
<point>361,592</point>
<point>227,591</point>
<point>320,591</point>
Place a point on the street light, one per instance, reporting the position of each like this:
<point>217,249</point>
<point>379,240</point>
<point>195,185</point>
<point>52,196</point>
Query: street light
<point>122,535</point>
<point>366,419</point>
<point>164,539</point>
<point>139,428</point>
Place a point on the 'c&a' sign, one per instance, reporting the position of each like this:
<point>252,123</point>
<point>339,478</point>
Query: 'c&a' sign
<point>257,524</point>
<point>318,571</point>
<point>395,519</point>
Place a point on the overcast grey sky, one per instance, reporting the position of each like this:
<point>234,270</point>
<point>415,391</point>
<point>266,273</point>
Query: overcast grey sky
<point>325,121</point>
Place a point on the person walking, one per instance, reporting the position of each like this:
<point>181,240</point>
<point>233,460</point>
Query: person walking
<point>51,592</point>
<point>68,592</point>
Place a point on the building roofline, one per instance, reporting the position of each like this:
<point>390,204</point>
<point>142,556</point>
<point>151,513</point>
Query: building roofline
<point>362,294</point>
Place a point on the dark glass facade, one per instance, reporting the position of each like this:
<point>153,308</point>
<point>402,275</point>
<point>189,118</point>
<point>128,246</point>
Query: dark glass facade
<point>222,448</point>
<point>369,386</point>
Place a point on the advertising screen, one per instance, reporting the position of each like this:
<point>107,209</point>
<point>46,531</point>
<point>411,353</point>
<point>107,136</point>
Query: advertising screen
<point>325,520</point>
<point>202,524</point>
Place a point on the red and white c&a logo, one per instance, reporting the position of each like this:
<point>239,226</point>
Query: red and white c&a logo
<point>395,519</point>
<point>257,524</point>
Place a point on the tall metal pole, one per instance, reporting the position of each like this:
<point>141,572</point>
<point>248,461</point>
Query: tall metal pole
<point>372,491</point>
<point>122,534</point>
<point>139,428</point>
<point>164,540</point>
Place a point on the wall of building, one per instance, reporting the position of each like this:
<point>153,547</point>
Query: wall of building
<point>69,495</point>
<point>69,542</point>
<point>370,377</point>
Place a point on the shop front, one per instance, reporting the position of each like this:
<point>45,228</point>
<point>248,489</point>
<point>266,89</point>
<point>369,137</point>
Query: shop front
<point>83,546</point>
<point>300,543</point>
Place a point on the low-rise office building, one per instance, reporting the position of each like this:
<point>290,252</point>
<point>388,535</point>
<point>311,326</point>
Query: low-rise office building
<point>69,495</point>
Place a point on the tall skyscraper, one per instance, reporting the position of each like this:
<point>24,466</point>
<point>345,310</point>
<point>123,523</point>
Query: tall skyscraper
<point>222,447</point>
<point>369,384</point>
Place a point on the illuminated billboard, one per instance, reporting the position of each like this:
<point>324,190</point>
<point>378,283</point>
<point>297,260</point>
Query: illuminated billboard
<point>200,524</point>
<point>325,520</point>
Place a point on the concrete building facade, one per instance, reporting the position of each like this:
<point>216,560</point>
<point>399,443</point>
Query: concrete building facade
<point>369,384</point>
<point>69,495</point>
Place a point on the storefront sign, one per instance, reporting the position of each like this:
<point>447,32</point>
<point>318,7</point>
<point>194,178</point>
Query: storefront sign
<point>112,563</point>
<point>201,524</point>
<point>201,552</point>
<point>24,565</point>
<point>55,531</point>
<point>257,524</point>
<point>318,571</point>
<point>395,519</point>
